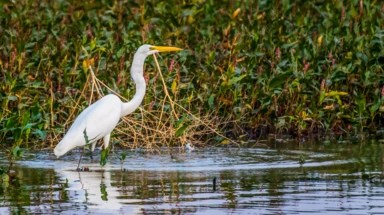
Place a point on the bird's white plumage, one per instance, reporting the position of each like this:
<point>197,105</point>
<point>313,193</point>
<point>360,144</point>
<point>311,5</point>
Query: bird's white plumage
<point>101,118</point>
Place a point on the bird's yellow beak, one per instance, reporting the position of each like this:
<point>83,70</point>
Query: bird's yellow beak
<point>165,48</point>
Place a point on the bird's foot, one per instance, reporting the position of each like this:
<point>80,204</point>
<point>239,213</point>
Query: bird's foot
<point>84,169</point>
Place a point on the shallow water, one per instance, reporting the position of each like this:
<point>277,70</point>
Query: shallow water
<point>265,180</point>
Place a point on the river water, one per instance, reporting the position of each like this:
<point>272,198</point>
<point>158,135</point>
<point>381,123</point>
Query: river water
<point>339,177</point>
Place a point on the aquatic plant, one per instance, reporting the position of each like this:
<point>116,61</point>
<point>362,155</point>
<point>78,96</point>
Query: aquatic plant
<point>9,175</point>
<point>249,68</point>
<point>122,157</point>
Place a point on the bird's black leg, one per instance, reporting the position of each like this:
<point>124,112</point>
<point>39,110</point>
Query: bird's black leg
<point>78,165</point>
<point>91,155</point>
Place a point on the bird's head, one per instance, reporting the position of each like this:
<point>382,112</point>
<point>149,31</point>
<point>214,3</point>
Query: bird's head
<point>142,53</point>
<point>150,49</point>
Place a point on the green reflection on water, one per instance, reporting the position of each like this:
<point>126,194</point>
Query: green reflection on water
<point>289,187</point>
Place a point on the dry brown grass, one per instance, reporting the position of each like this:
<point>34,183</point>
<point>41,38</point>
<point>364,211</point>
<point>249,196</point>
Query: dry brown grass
<point>152,127</point>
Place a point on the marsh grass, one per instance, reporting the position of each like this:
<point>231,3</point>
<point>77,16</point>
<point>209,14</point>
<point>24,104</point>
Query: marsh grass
<point>152,127</point>
<point>249,69</point>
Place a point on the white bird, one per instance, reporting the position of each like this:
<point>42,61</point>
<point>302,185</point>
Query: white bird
<point>101,118</point>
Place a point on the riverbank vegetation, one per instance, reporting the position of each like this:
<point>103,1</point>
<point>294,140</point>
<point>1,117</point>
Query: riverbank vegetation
<point>249,68</point>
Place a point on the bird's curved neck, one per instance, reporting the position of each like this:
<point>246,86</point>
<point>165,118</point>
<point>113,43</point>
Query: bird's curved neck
<point>137,76</point>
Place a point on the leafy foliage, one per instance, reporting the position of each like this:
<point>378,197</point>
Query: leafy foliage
<point>104,157</point>
<point>288,66</point>
<point>17,152</point>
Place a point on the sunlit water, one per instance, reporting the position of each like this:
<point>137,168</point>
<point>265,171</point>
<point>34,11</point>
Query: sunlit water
<point>265,180</point>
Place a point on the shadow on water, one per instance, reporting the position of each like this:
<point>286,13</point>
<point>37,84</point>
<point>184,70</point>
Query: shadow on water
<point>333,178</point>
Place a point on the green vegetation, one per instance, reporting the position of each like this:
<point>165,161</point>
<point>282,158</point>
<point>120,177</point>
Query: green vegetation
<point>9,175</point>
<point>248,67</point>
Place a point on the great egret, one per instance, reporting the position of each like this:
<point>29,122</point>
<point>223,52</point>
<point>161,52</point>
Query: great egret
<point>101,118</point>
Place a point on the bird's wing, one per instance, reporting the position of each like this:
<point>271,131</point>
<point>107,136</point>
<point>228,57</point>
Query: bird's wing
<point>97,120</point>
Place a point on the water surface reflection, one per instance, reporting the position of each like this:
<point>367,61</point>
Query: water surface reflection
<point>247,181</point>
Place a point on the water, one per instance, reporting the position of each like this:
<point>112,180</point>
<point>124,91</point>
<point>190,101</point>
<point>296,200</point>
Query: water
<point>265,180</point>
